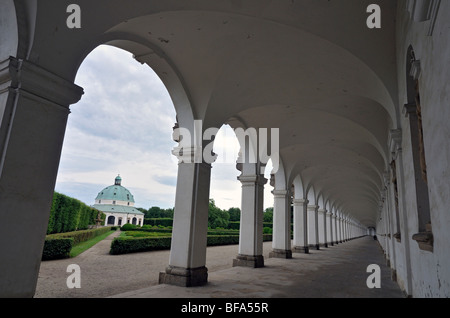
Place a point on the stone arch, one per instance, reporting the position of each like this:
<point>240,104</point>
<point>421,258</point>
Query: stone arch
<point>311,195</point>
<point>299,189</point>
<point>321,200</point>
<point>280,182</point>
<point>248,142</point>
<point>146,52</point>
<point>18,21</point>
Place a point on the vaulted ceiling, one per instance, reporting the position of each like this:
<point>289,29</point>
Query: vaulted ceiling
<point>311,68</point>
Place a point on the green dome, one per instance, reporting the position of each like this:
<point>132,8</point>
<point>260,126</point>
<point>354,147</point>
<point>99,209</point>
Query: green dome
<point>116,192</point>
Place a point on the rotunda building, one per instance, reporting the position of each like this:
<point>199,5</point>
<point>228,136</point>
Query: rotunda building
<point>117,203</point>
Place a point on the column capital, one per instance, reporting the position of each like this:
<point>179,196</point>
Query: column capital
<point>37,81</point>
<point>322,211</point>
<point>190,155</point>
<point>300,201</point>
<point>280,193</point>
<point>313,207</point>
<point>252,179</point>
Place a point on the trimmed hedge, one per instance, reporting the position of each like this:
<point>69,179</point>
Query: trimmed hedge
<point>124,245</point>
<point>234,225</point>
<point>216,240</point>
<point>68,214</point>
<point>80,236</point>
<point>158,221</point>
<point>57,248</point>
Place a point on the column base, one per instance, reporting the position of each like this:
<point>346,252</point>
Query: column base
<point>249,261</point>
<point>184,277</point>
<point>300,249</point>
<point>316,246</point>
<point>280,254</point>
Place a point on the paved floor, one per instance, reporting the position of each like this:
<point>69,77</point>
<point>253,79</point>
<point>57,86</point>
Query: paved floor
<point>334,272</point>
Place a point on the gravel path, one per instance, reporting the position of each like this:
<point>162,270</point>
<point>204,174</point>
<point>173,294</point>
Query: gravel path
<point>104,275</point>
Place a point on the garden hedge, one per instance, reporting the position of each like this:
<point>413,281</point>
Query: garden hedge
<point>80,236</point>
<point>69,214</point>
<point>123,245</point>
<point>158,221</point>
<point>57,248</point>
<point>232,225</point>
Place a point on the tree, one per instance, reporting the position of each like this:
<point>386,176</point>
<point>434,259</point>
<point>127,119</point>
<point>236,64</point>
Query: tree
<point>153,213</point>
<point>235,214</point>
<point>268,215</point>
<point>216,216</point>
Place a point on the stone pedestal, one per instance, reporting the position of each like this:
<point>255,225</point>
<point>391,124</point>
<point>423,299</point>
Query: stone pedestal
<point>276,253</point>
<point>300,249</point>
<point>183,277</point>
<point>249,261</point>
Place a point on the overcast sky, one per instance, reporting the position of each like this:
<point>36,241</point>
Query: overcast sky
<point>123,125</point>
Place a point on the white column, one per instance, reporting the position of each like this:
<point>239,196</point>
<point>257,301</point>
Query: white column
<point>281,243</point>
<point>34,107</point>
<point>251,225</point>
<point>312,226</point>
<point>300,226</point>
<point>344,228</point>
<point>335,235</point>
<point>347,229</point>
<point>321,226</point>
<point>339,227</point>
<point>190,224</point>
<point>329,221</point>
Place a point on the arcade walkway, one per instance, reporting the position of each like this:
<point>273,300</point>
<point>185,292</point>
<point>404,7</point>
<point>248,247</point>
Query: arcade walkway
<point>337,271</point>
<point>334,272</point>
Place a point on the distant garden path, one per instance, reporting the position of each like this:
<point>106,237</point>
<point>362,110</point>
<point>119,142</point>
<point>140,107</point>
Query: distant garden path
<point>104,275</point>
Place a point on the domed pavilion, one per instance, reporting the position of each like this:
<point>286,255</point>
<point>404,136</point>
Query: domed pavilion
<point>117,203</point>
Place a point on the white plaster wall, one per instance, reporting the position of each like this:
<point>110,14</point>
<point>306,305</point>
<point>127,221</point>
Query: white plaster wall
<point>430,272</point>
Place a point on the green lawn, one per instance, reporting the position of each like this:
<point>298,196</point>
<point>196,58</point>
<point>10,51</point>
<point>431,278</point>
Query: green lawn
<point>83,246</point>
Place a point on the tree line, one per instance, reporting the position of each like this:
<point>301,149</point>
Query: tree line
<point>217,217</point>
